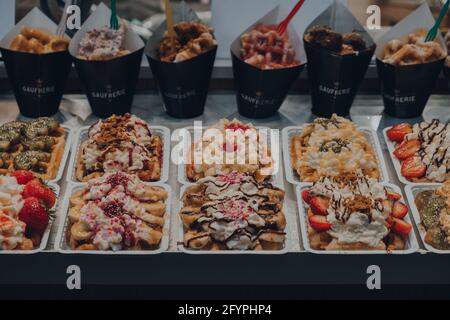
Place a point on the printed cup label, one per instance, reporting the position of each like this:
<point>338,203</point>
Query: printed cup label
<point>335,91</point>
<point>180,95</point>
<point>109,94</point>
<point>38,89</point>
<point>257,99</point>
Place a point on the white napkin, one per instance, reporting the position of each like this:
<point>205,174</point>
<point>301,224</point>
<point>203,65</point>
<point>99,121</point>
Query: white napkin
<point>76,107</point>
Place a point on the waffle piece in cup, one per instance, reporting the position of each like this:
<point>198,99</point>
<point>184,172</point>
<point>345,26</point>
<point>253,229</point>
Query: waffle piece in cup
<point>120,143</point>
<point>40,41</point>
<point>434,210</point>
<point>264,48</point>
<point>115,212</point>
<point>233,212</point>
<point>412,49</point>
<point>330,147</point>
<point>238,147</point>
<point>423,150</point>
<point>354,212</point>
<point>37,146</point>
<point>103,43</point>
<point>191,39</point>
<point>340,43</point>
<point>25,206</point>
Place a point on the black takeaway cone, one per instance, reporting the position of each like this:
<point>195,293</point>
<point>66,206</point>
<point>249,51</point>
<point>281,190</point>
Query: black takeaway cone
<point>37,80</point>
<point>109,84</point>
<point>447,71</point>
<point>334,78</point>
<point>261,92</point>
<point>406,88</point>
<point>183,85</point>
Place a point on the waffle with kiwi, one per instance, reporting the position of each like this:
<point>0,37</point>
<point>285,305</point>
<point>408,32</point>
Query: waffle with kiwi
<point>37,146</point>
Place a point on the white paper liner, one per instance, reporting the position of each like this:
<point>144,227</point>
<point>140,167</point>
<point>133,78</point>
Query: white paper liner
<point>98,19</point>
<point>411,245</point>
<point>276,178</point>
<point>46,235</point>
<point>419,18</point>
<point>292,176</point>
<point>397,164</point>
<point>274,16</point>
<point>291,244</point>
<point>36,19</point>
<point>82,135</point>
<point>339,17</point>
<point>411,192</point>
<point>61,245</point>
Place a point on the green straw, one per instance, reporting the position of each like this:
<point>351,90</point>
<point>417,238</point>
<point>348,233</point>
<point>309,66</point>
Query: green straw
<point>432,34</point>
<point>114,22</point>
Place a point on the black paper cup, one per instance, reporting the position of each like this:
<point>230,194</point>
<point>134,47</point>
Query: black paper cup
<point>184,85</point>
<point>37,80</point>
<point>334,79</point>
<point>447,73</point>
<point>110,85</point>
<point>406,89</point>
<point>260,93</point>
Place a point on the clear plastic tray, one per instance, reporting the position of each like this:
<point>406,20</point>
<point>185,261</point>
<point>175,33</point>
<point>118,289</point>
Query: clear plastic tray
<point>411,245</point>
<point>290,223</point>
<point>291,175</point>
<point>277,177</point>
<point>397,164</point>
<point>61,240</point>
<point>46,235</point>
<point>82,135</point>
<point>411,192</point>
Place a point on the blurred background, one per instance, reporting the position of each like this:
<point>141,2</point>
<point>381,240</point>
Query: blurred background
<point>143,10</point>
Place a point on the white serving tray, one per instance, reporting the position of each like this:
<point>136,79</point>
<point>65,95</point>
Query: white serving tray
<point>290,223</point>
<point>276,178</point>
<point>411,245</point>
<point>397,164</point>
<point>292,176</point>
<point>67,146</point>
<point>82,134</point>
<point>411,192</point>
<point>61,240</point>
<point>46,234</point>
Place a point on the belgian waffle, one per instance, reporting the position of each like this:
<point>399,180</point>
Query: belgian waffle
<point>37,146</point>
<point>115,212</point>
<point>233,212</point>
<point>120,143</point>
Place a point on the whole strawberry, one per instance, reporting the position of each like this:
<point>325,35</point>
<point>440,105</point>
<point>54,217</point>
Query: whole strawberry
<point>34,215</point>
<point>36,189</point>
<point>23,176</point>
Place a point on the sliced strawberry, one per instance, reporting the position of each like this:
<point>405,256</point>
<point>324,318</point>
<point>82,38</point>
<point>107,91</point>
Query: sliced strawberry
<point>399,210</point>
<point>393,195</point>
<point>407,149</point>
<point>400,226</point>
<point>413,168</point>
<point>23,176</point>
<point>34,215</point>
<point>319,205</point>
<point>398,132</point>
<point>319,223</point>
<point>306,196</point>
<point>36,189</point>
